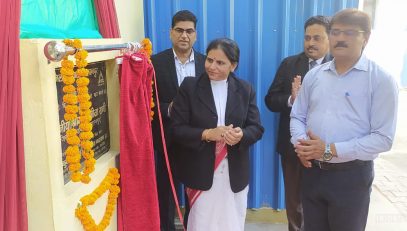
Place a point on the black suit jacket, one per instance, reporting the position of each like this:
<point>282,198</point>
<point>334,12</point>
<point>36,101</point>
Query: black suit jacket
<point>167,85</point>
<point>279,92</point>
<point>193,111</point>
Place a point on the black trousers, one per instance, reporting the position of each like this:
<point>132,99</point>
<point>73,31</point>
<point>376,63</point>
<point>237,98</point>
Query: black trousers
<point>292,172</point>
<point>165,197</point>
<point>337,199</point>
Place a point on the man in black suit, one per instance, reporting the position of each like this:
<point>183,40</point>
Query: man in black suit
<point>171,67</point>
<point>280,98</point>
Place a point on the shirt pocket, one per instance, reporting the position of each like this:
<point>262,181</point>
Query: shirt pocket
<point>357,104</point>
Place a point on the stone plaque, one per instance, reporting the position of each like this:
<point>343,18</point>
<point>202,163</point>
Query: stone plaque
<point>100,119</point>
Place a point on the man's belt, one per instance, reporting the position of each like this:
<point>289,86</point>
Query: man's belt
<point>339,166</point>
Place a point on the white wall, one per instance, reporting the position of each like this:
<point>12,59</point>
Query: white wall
<point>387,44</point>
<point>51,203</point>
<point>130,14</point>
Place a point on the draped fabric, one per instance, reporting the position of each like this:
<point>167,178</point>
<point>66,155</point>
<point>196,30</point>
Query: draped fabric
<point>13,206</point>
<point>220,153</point>
<point>138,201</point>
<point>107,18</point>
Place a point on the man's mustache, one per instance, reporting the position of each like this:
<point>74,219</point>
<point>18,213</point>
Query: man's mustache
<point>341,44</point>
<point>312,48</point>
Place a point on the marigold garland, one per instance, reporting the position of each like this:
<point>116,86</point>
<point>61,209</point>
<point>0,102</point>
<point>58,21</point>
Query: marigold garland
<point>146,47</point>
<point>110,182</point>
<point>147,50</point>
<point>73,96</point>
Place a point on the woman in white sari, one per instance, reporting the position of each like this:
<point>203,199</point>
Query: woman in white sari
<point>215,120</point>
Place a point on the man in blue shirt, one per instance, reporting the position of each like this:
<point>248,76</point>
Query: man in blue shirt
<point>280,98</point>
<point>342,118</point>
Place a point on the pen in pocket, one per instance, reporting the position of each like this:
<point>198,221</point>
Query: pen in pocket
<point>347,97</point>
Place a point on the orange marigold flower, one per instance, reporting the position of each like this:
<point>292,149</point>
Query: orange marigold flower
<point>70,99</point>
<point>82,90</point>
<point>85,105</point>
<point>85,112</point>
<point>81,63</point>
<point>87,145</point>
<point>104,223</point>
<point>68,80</point>
<point>86,135</point>
<point>75,167</point>
<point>71,132</point>
<point>83,97</point>
<point>68,42</point>
<point>82,72</point>
<point>67,64</point>
<point>71,109</point>
<point>85,118</point>
<point>67,71</point>
<point>68,89</point>
<point>146,43</point>
<point>77,43</point>
<point>148,47</point>
<point>82,82</point>
<point>76,176</point>
<point>69,116</point>
<point>90,162</point>
<point>85,200</point>
<point>85,179</point>
<point>88,155</point>
<point>73,140</point>
<point>72,150</point>
<point>81,54</point>
<point>93,198</point>
<point>73,159</point>
<point>89,169</point>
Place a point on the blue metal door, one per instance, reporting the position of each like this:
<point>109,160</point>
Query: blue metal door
<point>267,31</point>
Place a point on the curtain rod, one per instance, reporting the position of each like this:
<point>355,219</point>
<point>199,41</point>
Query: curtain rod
<point>56,51</point>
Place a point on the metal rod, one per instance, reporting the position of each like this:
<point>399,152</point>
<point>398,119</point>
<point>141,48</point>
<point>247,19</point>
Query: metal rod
<point>56,51</point>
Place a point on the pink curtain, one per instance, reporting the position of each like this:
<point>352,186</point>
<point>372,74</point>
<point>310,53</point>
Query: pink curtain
<point>107,18</point>
<point>138,201</point>
<point>13,206</point>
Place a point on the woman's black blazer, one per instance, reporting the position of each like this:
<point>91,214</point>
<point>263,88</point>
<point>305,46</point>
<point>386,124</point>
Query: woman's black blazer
<point>193,111</point>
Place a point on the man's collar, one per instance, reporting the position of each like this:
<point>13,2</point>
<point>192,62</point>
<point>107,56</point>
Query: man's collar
<point>361,64</point>
<point>319,61</point>
<point>191,56</point>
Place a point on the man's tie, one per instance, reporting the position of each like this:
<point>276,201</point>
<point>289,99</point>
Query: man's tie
<point>312,64</point>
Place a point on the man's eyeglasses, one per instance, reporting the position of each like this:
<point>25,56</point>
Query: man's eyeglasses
<point>347,33</point>
<point>181,31</point>
<point>316,38</point>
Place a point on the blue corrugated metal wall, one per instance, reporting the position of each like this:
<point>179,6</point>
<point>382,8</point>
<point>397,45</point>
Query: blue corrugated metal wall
<point>267,31</point>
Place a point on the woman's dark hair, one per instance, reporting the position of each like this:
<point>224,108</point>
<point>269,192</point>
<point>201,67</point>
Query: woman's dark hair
<point>319,19</point>
<point>183,15</point>
<point>353,17</point>
<point>228,46</point>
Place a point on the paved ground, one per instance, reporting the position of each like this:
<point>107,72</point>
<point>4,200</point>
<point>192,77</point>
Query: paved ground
<point>388,208</point>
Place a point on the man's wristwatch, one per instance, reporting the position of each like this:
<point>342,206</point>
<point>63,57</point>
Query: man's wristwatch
<point>327,156</point>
